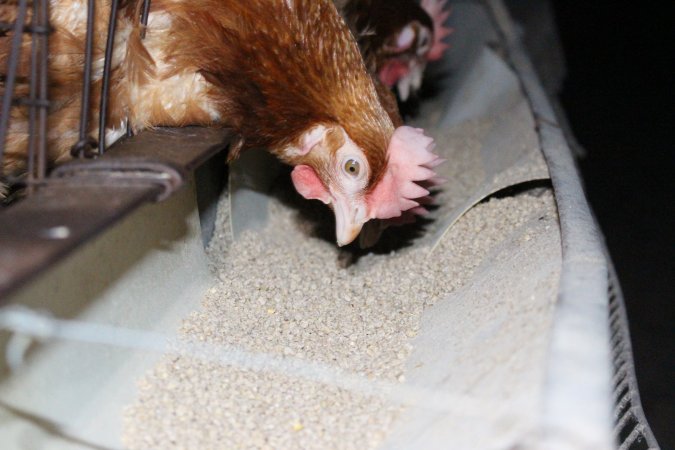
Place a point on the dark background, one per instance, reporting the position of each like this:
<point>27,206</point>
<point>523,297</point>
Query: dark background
<point>618,98</point>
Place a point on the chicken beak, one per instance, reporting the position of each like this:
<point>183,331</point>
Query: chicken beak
<point>349,219</point>
<point>410,82</point>
<point>403,86</point>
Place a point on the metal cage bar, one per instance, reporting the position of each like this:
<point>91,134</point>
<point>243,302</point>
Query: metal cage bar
<point>11,73</point>
<point>105,88</point>
<point>85,144</point>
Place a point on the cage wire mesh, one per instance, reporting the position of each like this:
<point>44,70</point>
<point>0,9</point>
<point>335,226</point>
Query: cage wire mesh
<point>33,22</point>
<point>24,85</point>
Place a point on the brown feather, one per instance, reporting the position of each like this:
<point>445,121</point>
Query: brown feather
<point>277,70</point>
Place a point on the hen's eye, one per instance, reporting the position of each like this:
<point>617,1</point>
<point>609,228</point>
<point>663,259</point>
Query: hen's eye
<point>352,167</point>
<point>424,41</point>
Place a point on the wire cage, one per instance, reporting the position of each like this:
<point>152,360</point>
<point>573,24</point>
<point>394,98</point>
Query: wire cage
<point>154,164</point>
<point>25,95</point>
<point>13,86</point>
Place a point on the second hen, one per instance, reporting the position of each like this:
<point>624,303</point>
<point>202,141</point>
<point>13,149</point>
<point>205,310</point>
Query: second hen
<point>398,38</point>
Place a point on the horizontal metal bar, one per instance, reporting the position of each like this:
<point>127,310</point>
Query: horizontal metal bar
<point>39,29</point>
<point>83,198</point>
<point>186,147</point>
<point>23,101</point>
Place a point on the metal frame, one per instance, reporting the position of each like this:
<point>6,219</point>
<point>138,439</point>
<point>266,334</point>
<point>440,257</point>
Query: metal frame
<point>590,357</point>
<point>86,197</point>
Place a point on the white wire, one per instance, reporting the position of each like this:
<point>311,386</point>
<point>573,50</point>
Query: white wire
<point>27,322</point>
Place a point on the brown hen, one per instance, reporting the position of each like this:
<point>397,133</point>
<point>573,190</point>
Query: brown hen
<point>286,76</point>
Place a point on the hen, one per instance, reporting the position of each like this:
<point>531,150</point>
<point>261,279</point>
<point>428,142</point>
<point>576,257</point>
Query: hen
<point>398,38</point>
<point>286,76</point>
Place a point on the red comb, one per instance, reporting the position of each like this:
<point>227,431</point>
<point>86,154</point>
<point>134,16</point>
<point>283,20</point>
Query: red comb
<point>411,163</point>
<point>438,15</point>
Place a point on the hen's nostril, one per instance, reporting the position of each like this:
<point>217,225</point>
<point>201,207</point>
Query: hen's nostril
<point>359,215</point>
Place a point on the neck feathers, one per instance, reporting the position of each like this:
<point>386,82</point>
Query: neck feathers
<point>277,68</point>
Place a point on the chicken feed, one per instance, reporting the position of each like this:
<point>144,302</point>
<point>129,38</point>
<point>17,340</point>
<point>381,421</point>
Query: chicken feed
<point>289,291</point>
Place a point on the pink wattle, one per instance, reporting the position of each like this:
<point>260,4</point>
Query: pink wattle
<point>392,71</point>
<point>308,184</point>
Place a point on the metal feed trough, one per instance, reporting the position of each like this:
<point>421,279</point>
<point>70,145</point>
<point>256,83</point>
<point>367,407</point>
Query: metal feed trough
<point>90,257</point>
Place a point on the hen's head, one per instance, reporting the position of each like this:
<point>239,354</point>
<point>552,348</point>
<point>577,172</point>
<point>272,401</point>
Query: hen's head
<point>336,171</point>
<point>291,79</point>
<point>406,50</point>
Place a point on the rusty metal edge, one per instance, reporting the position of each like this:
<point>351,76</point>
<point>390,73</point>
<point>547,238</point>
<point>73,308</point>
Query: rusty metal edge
<point>81,199</point>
